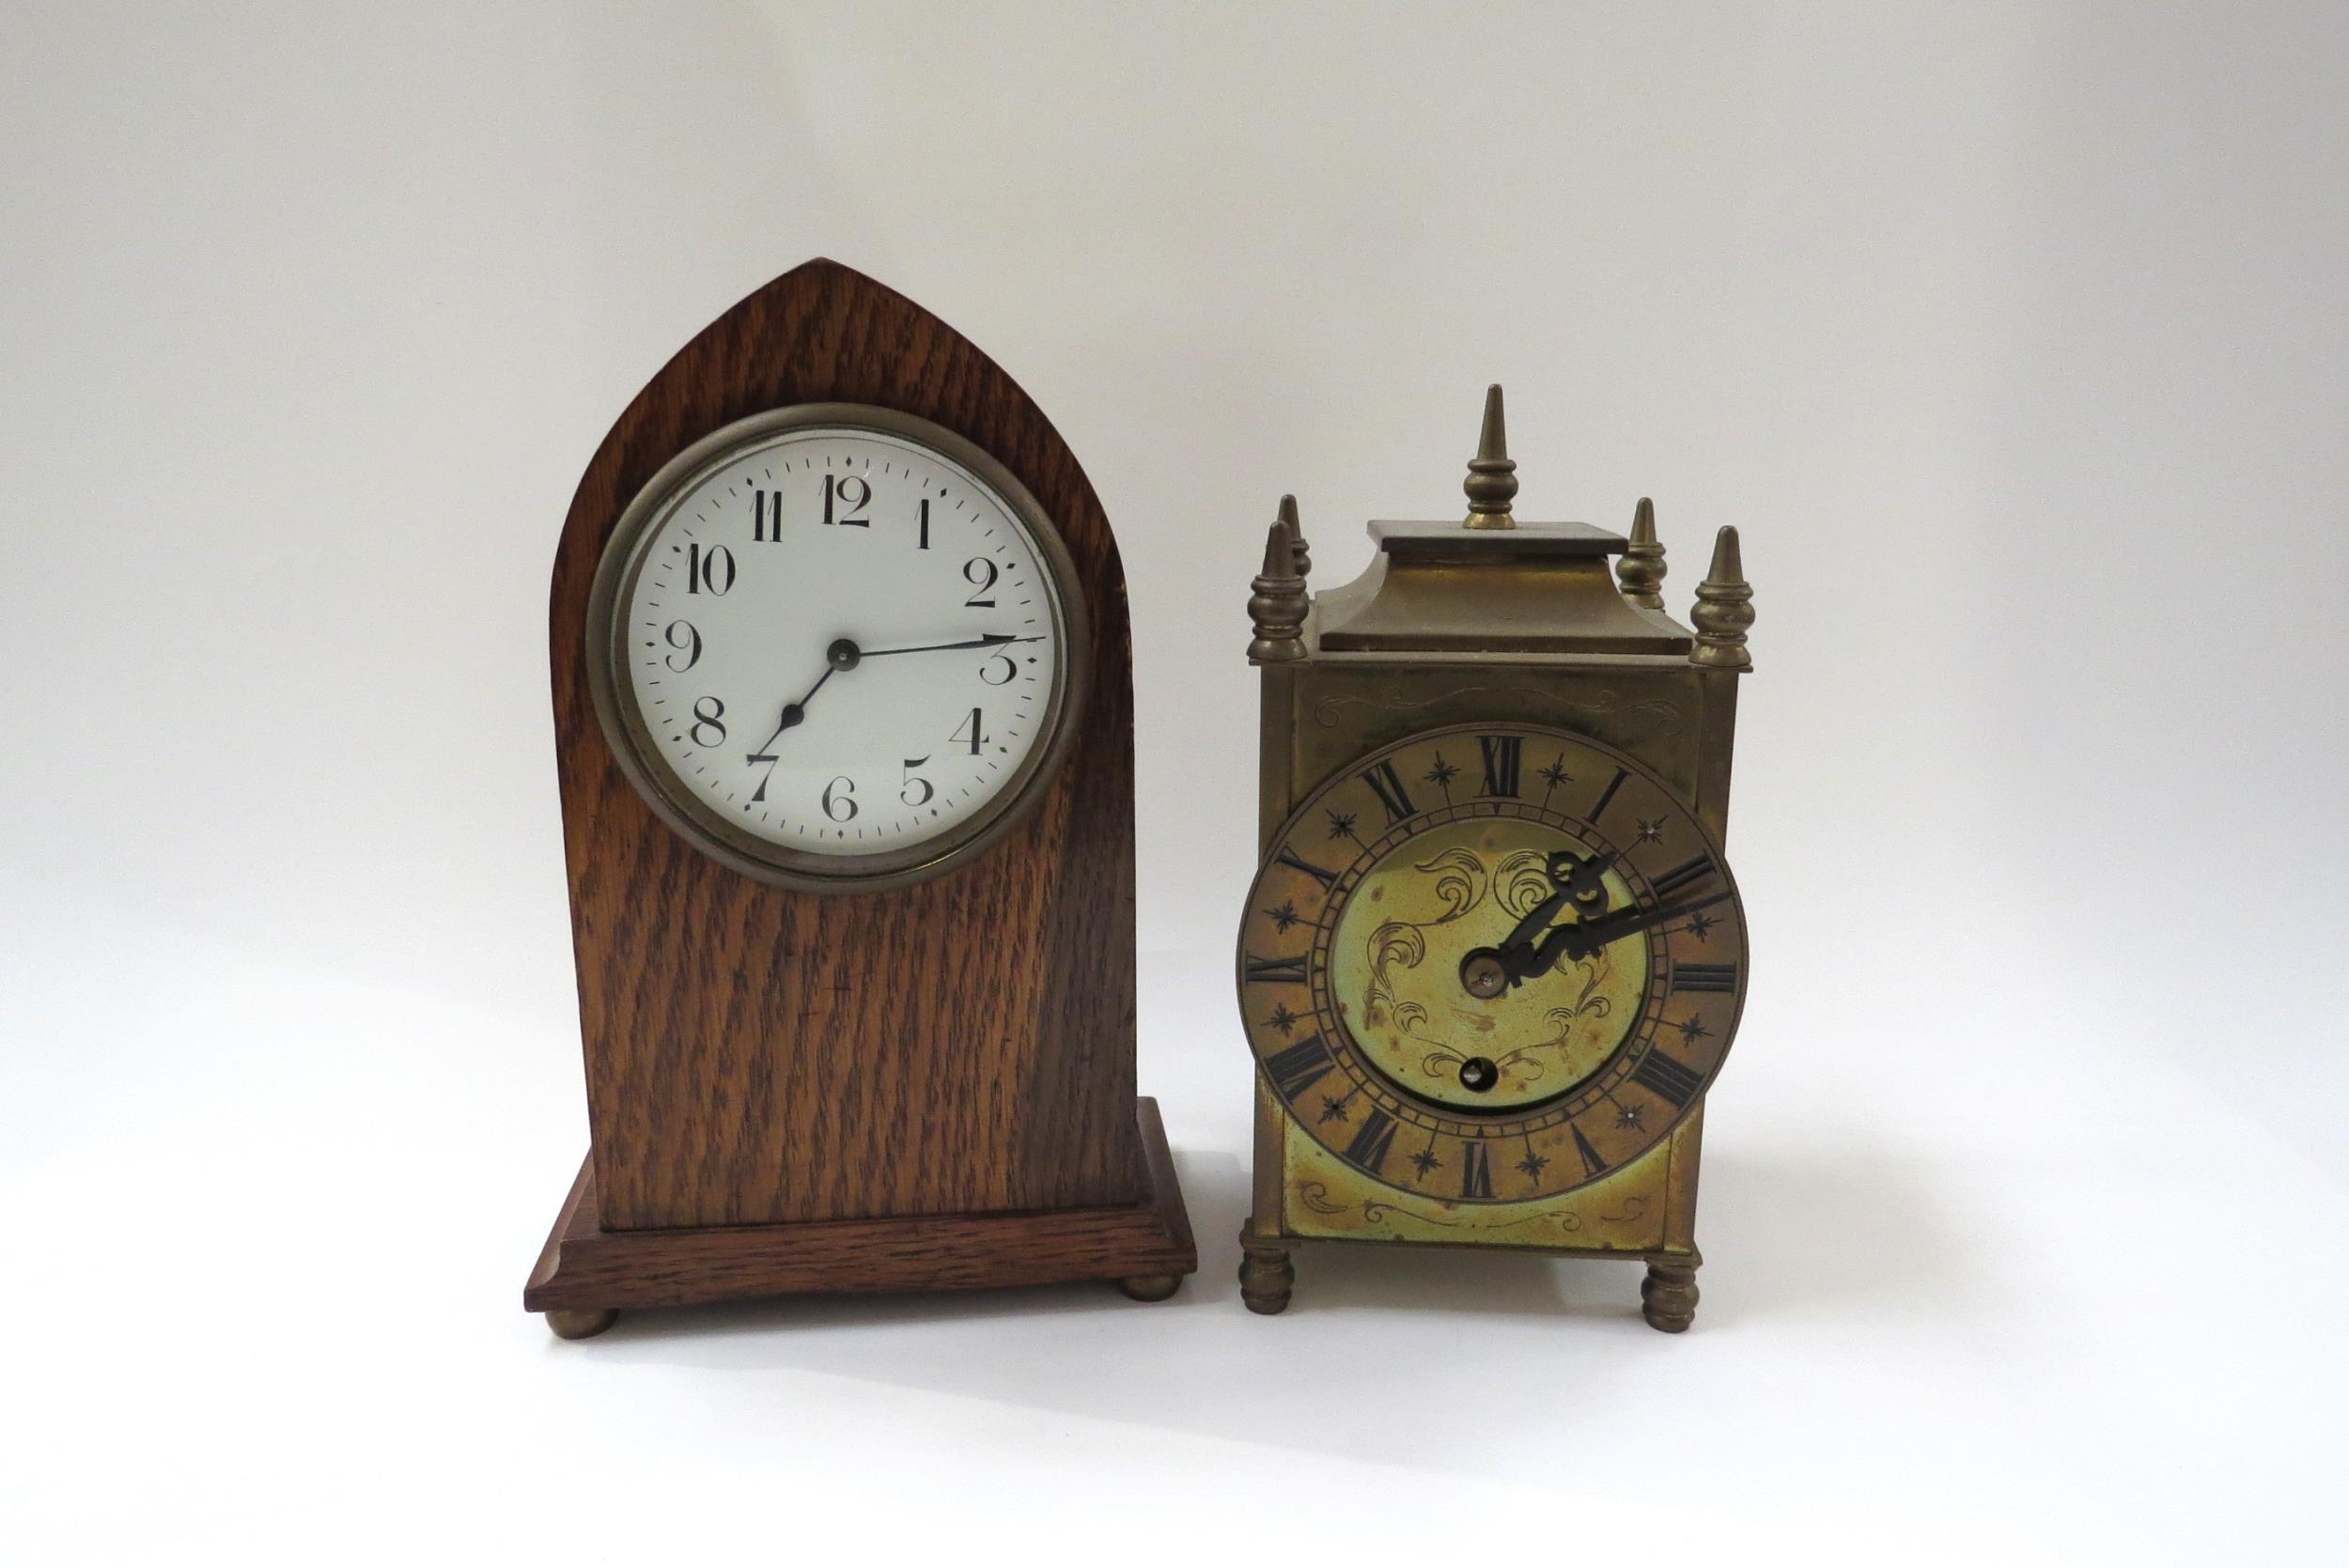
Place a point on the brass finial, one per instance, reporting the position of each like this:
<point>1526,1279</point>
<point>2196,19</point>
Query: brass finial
<point>1492,480</point>
<point>1724,609</point>
<point>1297,532</point>
<point>1276,601</point>
<point>1641,568</point>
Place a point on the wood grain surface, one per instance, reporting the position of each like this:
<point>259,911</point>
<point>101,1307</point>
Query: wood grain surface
<point>757,1055</point>
<point>586,1267</point>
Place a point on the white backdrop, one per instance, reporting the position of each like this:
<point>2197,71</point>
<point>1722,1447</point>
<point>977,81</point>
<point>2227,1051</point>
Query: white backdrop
<point>2012,337</point>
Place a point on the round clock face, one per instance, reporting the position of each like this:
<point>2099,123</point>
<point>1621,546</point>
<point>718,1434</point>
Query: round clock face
<point>1492,963</point>
<point>837,647</point>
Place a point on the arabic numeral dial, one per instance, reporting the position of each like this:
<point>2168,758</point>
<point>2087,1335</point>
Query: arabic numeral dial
<point>838,651</point>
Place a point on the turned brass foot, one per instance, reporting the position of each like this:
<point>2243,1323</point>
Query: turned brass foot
<point>1150,1287</point>
<point>1668,1298</point>
<point>582,1323</point>
<point>1266,1274</point>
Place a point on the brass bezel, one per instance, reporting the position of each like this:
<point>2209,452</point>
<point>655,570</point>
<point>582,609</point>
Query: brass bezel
<point>709,831</point>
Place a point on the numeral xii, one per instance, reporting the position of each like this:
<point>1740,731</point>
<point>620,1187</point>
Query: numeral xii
<point>1502,754</point>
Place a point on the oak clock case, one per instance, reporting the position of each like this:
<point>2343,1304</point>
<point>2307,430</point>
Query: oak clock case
<point>1494,956</point>
<point>843,697</point>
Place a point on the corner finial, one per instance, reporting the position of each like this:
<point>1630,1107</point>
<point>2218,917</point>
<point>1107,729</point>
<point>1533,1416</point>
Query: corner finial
<point>1296,532</point>
<point>1724,609</point>
<point>1641,568</point>
<point>1492,481</point>
<point>1276,601</point>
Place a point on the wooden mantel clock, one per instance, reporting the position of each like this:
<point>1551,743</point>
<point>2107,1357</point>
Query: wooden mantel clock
<point>844,714</point>
<point>1493,957</point>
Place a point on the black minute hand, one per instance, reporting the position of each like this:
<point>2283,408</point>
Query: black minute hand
<point>992,640</point>
<point>1585,939</point>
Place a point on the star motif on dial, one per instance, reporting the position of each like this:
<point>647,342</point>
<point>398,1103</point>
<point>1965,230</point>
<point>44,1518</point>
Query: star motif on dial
<point>1632,1116</point>
<point>1701,926</point>
<point>1333,1111</point>
<point>1692,1027</point>
<point>1651,829</point>
<point>1556,774</point>
<point>1342,825</point>
<point>1442,773</point>
<point>1532,1165</point>
<point>1284,917</point>
<point>1425,1160</point>
<point>1282,1019</point>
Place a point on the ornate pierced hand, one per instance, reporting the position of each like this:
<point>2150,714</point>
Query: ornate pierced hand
<point>1487,972</point>
<point>1585,939</point>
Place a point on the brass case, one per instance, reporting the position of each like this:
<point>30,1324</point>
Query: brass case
<point>1494,621</point>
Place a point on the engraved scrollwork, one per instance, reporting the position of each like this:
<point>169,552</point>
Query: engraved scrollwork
<point>1376,1212</point>
<point>1461,884</point>
<point>1523,1061</point>
<point>1665,716</point>
<point>1315,1196</point>
<point>1520,881</point>
<point>1633,1207</point>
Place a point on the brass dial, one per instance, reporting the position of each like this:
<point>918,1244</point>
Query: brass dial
<point>1491,962</point>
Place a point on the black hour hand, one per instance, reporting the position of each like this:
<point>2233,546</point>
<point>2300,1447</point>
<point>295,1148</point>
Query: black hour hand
<point>1487,972</point>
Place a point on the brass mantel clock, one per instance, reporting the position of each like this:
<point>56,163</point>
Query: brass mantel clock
<point>1494,956</point>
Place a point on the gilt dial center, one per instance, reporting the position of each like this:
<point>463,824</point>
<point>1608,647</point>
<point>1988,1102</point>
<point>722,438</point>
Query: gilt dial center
<point>1412,965</point>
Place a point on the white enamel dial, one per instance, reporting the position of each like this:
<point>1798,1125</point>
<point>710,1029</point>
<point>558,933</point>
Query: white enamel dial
<point>839,649</point>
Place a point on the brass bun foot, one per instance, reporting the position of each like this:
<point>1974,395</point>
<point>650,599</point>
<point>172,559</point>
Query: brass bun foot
<point>1668,1298</point>
<point>582,1323</point>
<point>1150,1287</point>
<point>1266,1274</point>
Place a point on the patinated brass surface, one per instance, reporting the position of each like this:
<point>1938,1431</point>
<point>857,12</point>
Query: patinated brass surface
<point>1540,588</point>
<point>1724,609</point>
<point>1502,630</point>
<point>1642,568</point>
<point>1492,478</point>
<point>1630,1212</point>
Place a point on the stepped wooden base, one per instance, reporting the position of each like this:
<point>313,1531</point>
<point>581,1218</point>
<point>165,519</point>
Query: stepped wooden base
<point>587,1273</point>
